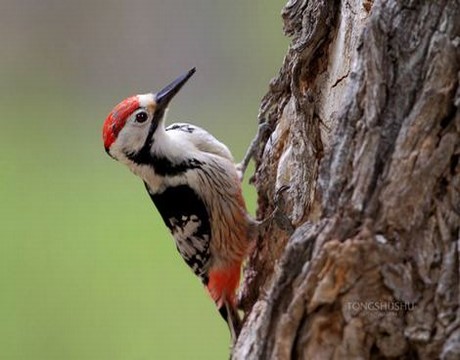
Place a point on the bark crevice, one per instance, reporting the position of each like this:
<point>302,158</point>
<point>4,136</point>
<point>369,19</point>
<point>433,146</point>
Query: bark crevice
<point>364,128</point>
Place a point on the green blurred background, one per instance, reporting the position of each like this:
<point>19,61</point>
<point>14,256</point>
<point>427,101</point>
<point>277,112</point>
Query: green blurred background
<point>87,269</point>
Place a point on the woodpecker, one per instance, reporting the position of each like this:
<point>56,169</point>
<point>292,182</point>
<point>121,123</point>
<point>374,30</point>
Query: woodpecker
<point>194,183</point>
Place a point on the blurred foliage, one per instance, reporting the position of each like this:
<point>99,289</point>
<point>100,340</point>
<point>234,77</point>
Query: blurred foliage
<point>87,269</point>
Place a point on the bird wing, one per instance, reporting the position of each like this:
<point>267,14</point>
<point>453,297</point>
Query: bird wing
<point>185,214</point>
<point>202,140</point>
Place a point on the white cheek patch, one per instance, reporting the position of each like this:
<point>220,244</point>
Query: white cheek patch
<point>131,138</point>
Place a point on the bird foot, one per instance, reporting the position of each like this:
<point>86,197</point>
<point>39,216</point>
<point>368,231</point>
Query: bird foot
<point>250,152</point>
<point>278,215</point>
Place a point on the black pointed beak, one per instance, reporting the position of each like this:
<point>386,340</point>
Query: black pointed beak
<point>164,96</point>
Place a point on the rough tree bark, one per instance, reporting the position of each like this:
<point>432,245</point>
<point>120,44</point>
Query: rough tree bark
<point>363,125</point>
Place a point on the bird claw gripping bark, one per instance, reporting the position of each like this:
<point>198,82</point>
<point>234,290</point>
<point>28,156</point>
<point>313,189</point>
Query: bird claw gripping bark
<point>278,215</point>
<point>250,152</point>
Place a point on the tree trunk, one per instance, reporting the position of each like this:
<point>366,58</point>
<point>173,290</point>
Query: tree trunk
<point>363,124</point>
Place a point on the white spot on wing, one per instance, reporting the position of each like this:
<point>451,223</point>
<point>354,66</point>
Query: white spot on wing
<point>188,243</point>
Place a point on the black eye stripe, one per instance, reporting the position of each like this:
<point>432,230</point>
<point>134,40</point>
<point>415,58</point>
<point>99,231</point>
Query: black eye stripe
<point>141,117</point>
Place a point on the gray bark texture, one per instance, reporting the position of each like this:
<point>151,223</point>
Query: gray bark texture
<point>362,124</point>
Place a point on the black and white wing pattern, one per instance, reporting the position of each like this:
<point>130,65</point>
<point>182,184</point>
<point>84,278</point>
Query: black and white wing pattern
<point>185,214</point>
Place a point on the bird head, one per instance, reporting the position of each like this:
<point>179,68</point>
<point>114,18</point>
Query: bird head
<point>130,127</point>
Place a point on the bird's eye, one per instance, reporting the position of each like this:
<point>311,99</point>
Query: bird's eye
<point>141,117</point>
